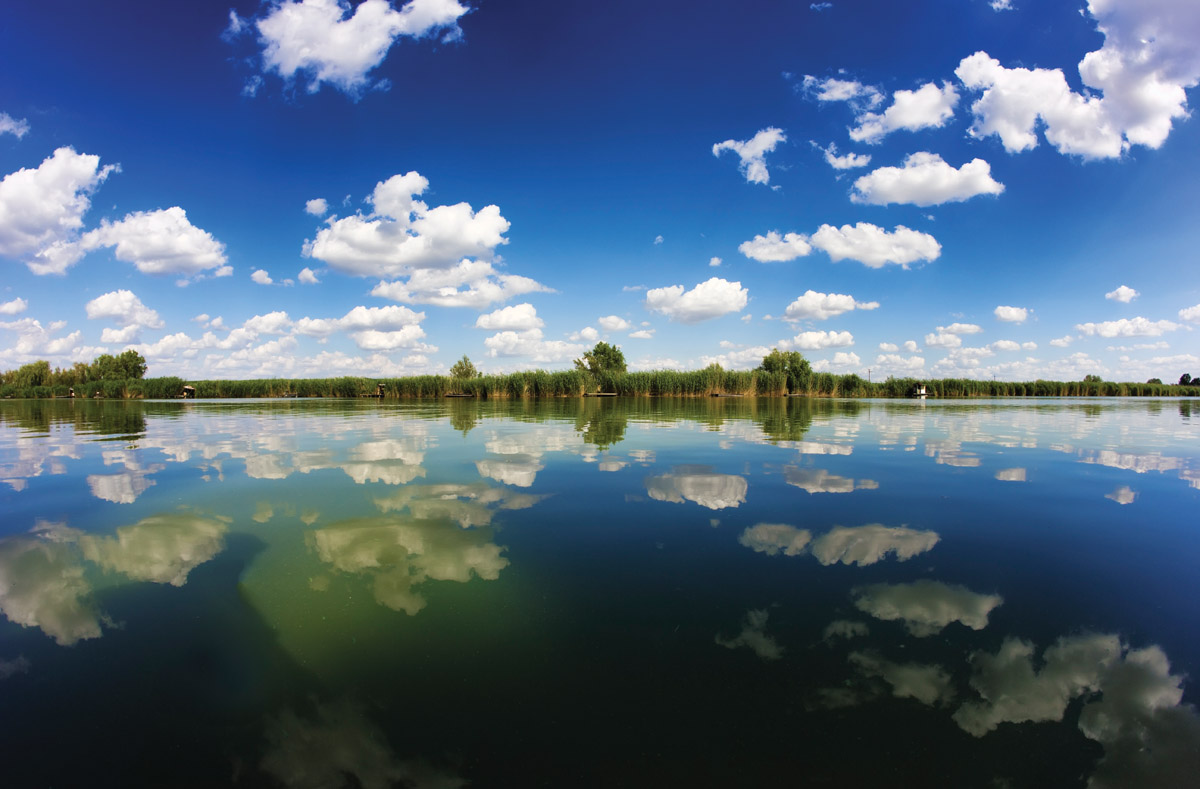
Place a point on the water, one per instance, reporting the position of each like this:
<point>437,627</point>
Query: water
<point>715,592</point>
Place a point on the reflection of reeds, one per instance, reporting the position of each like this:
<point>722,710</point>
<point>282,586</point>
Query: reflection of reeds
<point>574,383</point>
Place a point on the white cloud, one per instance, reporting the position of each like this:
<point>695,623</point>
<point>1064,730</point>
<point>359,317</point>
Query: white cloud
<point>1190,314</point>
<point>376,340</point>
<point>158,242</point>
<point>1001,5</point>
<point>714,261</point>
<point>261,277</point>
<point>895,364</point>
<point>1123,294</point>
<point>530,343</point>
<point>125,309</point>
<point>874,246</point>
<point>774,248</point>
<point>658,240</point>
<point>929,684</point>
<point>753,153</point>
<point>1011,314</point>
<point>1135,84</point>
<point>642,334</point>
<point>404,235</point>
<point>324,41</point>
<point>851,91</point>
<point>613,323</point>
<point>10,125</point>
<point>14,307</point>
<point>925,107</point>
<point>742,359</point>
<point>864,545</point>
<point>710,299</point>
<point>519,317</point>
<point>891,347</point>
<point>471,283</point>
<point>849,161</point>
<point>1005,345</point>
<point>698,484</point>
<point>775,538</point>
<point>925,606</point>
<point>924,180</point>
<point>41,210</point>
<point>317,206</point>
<point>307,277</point>
<point>1126,327</point>
<point>754,637</point>
<point>961,328</point>
<point>816,340</point>
<point>820,306</point>
<point>587,334</point>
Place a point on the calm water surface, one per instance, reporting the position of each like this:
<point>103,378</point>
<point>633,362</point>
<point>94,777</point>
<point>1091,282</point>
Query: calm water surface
<point>716,592</point>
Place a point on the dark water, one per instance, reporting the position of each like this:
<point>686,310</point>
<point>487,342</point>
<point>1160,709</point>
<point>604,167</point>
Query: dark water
<point>600,593</point>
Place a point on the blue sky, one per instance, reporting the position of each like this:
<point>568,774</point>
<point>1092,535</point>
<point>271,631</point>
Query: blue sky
<point>313,188</point>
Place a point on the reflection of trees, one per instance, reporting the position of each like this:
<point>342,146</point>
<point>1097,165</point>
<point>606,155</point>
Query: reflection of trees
<point>464,414</point>
<point>103,417</point>
<point>786,419</point>
<point>602,421</point>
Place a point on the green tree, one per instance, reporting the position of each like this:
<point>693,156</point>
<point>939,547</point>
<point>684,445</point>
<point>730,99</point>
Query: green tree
<point>1154,381</point>
<point>603,358</point>
<point>463,369</point>
<point>1092,379</point>
<point>1185,379</point>
<point>32,374</point>
<point>791,363</point>
<point>132,364</point>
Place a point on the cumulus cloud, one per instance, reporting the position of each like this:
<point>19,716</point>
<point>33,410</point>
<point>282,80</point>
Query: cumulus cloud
<point>125,309</point>
<point>531,343</point>
<point>587,334</point>
<point>875,247</point>
<point>613,323</point>
<point>895,364</point>
<point>642,334</point>
<point>851,91</point>
<point>926,107</point>
<point>13,126</point>
<point>1001,5</point>
<point>929,684</point>
<point>1011,314</point>
<point>714,261</point>
<point>162,549</point>
<point>325,42</point>
<point>519,317</point>
<point>926,607</point>
<point>307,277</point>
<point>961,328</point>
<point>776,538</point>
<point>261,277</point>
<point>863,545</point>
<point>816,306</point>
<point>317,206</point>
<point>924,180</point>
<point>41,210</point>
<point>753,152</point>
<point>774,248</point>
<point>698,484</point>
<point>1123,294</point>
<point>14,307</point>
<point>754,637</point>
<point>710,299</point>
<point>158,242</point>
<point>818,480</point>
<point>1190,314</point>
<point>849,161</point>
<point>403,235</point>
<point>1127,327</point>
<point>472,283</point>
<point>1136,85</point>
<point>816,340</point>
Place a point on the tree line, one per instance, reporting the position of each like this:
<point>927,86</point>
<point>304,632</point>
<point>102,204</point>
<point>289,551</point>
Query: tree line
<point>601,370</point>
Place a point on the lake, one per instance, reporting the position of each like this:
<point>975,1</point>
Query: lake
<point>600,592</point>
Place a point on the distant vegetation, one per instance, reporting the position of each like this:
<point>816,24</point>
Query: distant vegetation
<point>601,370</point>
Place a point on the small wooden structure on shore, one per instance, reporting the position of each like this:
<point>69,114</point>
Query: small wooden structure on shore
<point>377,393</point>
<point>459,394</point>
<point>189,393</point>
<point>599,394</point>
<point>919,392</point>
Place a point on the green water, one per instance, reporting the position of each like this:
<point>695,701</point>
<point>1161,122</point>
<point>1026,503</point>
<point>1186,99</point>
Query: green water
<point>702,592</point>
